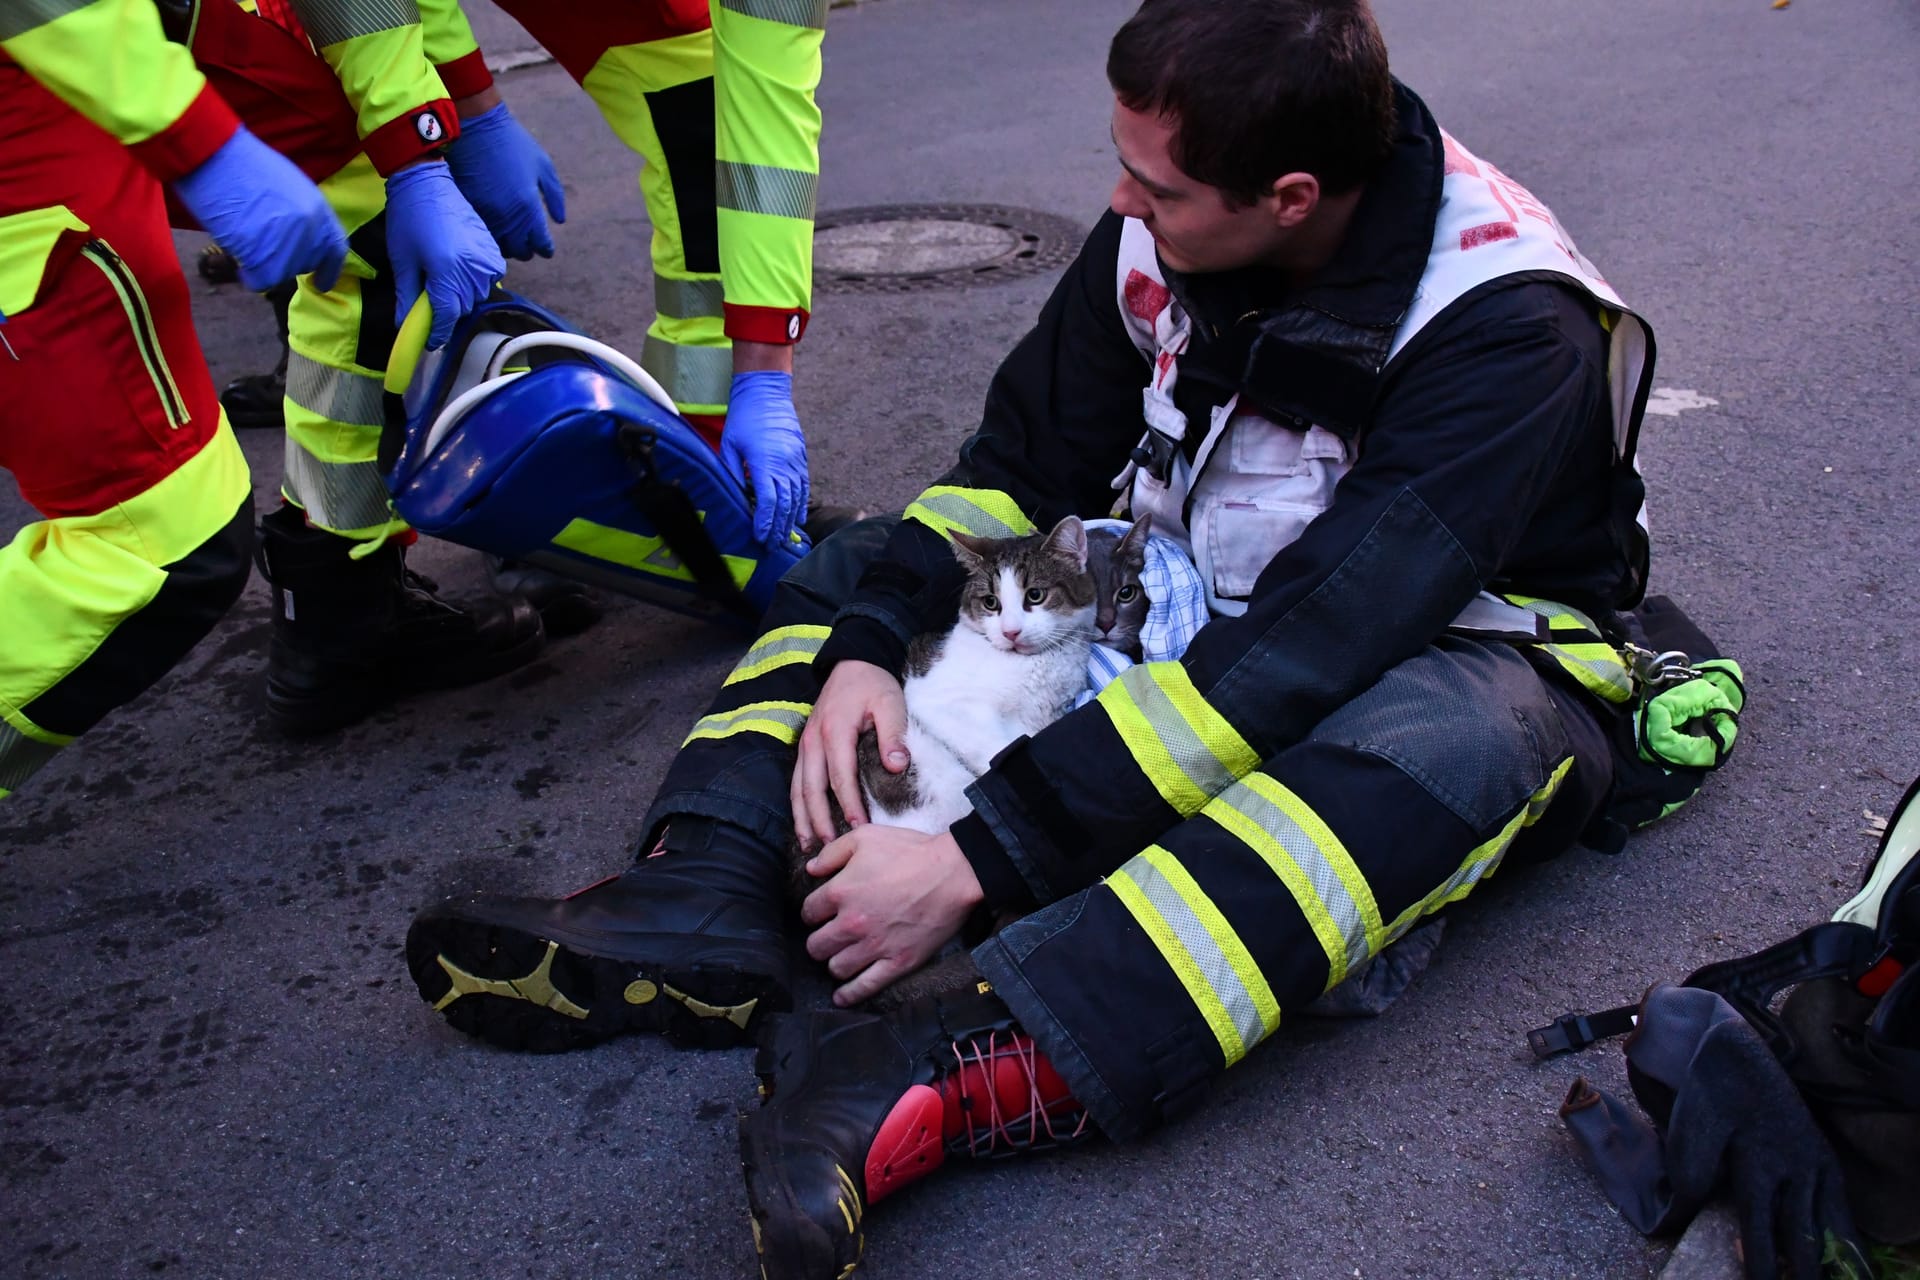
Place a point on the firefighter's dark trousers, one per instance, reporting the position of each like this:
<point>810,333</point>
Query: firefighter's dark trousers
<point>1148,984</point>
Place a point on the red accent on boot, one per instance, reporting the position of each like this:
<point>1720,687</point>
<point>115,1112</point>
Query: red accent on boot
<point>709,425</point>
<point>1004,1093</point>
<point>909,1145</point>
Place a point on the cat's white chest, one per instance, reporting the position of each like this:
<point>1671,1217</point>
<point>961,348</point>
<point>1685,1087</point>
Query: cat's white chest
<point>973,701</point>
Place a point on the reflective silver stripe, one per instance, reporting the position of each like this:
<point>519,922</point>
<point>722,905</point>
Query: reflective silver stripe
<point>781,647</point>
<point>762,188</point>
<point>1335,905</point>
<point>20,16</point>
<point>1145,714</point>
<point>960,512</point>
<point>1200,945</point>
<point>691,375</point>
<point>338,395</point>
<point>781,721</point>
<point>687,299</point>
<point>337,495</point>
<point>20,756</point>
<point>331,21</point>
<point>795,13</point>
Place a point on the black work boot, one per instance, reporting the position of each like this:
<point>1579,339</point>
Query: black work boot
<point>690,943</point>
<point>350,635</point>
<point>859,1105</point>
<point>567,606</point>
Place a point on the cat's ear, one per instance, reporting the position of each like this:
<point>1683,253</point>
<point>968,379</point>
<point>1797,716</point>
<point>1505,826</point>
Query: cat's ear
<point>969,549</point>
<point>1068,543</point>
<point>1133,547</point>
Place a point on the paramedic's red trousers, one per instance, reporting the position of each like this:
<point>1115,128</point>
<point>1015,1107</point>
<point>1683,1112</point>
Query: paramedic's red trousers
<point>110,427</point>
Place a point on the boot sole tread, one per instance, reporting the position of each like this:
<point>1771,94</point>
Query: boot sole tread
<point>530,992</point>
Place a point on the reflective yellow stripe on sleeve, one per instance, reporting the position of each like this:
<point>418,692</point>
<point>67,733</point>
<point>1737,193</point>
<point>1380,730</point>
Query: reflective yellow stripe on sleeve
<point>1187,749</point>
<point>1310,860</point>
<point>781,721</point>
<point>984,513</point>
<point>1202,949</point>
<point>780,647</point>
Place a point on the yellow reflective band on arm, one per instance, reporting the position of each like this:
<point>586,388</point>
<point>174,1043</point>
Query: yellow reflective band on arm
<point>1310,860</point>
<point>1187,749</point>
<point>1577,645</point>
<point>638,551</point>
<point>984,513</point>
<point>107,59</point>
<point>781,721</point>
<point>781,647</point>
<point>1484,860</point>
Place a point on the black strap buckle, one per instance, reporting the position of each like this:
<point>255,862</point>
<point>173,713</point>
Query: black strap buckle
<point>1571,1031</point>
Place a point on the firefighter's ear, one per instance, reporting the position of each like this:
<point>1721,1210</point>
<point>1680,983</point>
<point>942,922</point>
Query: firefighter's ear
<point>1293,198</point>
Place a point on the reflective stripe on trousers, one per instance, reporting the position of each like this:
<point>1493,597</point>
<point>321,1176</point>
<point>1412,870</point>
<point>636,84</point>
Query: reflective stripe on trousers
<point>1292,878</point>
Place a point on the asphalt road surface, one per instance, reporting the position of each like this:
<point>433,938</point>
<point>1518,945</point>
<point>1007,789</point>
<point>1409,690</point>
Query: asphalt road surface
<point>214,1064</point>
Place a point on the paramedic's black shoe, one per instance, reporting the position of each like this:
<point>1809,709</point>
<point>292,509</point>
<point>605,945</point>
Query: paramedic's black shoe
<point>567,607</point>
<point>691,944</point>
<point>255,401</point>
<point>353,634</point>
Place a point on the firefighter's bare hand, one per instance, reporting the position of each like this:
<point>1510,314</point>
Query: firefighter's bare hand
<point>857,696</point>
<point>891,900</point>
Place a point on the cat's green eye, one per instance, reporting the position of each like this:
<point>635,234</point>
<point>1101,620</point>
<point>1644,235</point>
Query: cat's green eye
<point>1126,594</point>
<point>990,602</point>
<point>1036,596</point>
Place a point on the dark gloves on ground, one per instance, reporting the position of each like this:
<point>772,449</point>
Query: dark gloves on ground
<point>1732,1120</point>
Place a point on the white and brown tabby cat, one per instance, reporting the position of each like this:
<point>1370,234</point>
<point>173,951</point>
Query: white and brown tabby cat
<point>1014,661</point>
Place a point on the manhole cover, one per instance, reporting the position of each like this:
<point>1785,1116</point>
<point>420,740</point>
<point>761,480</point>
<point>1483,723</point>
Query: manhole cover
<point>899,248</point>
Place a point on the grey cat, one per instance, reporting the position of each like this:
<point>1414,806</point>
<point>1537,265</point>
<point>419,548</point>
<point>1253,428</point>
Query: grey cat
<point>1120,599</point>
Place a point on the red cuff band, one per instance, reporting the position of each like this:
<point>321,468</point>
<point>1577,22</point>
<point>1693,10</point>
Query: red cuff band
<point>412,134</point>
<point>775,326</point>
<point>183,146</point>
<point>465,76</point>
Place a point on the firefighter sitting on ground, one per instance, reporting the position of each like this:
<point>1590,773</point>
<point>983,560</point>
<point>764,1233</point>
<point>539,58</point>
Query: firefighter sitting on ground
<point>1378,384</point>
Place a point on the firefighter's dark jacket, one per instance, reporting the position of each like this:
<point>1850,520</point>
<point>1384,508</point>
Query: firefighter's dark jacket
<point>1485,460</point>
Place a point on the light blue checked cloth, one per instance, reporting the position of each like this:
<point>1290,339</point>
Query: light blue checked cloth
<point>1176,610</point>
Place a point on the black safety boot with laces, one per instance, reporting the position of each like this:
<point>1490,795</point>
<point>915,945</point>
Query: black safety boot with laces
<point>690,943</point>
<point>860,1105</point>
<point>352,634</point>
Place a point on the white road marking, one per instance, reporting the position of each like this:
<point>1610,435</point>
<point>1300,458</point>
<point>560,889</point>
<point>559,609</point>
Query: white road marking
<point>1671,402</point>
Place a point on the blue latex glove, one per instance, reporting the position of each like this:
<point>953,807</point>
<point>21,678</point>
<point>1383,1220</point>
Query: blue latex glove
<point>260,208</point>
<point>504,173</point>
<point>437,243</point>
<point>763,444</point>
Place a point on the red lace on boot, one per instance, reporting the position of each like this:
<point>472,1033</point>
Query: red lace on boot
<point>1001,1096</point>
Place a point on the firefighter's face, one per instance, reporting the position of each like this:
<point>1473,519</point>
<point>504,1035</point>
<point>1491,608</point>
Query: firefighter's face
<point>1194,225</point>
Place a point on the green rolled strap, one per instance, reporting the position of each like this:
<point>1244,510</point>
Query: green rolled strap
<point>1693,724</point>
